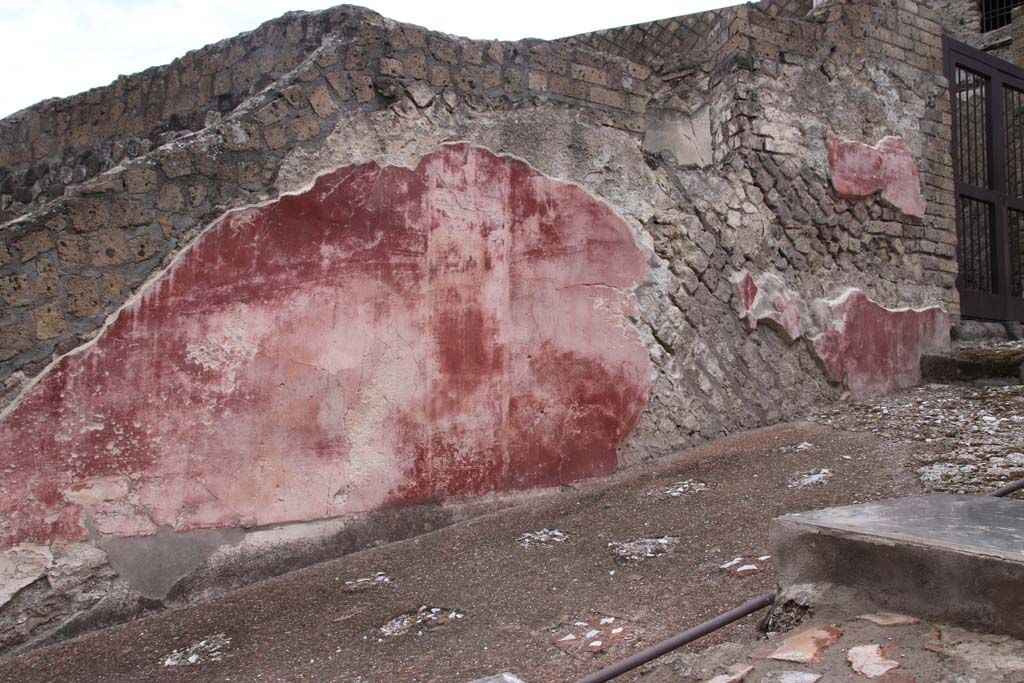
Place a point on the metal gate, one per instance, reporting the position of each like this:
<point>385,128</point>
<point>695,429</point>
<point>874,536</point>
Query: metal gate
<point>988,166</point>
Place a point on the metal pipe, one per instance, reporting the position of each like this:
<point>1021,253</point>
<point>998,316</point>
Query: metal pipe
<point>1008,489</point>
<point>680,639</point>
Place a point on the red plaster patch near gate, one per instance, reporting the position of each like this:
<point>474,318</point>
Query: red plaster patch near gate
<point>388,336</point>
<point>876,350</point>
<point>859,170</point>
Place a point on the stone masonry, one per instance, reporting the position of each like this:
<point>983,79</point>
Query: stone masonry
<point>697,151</point>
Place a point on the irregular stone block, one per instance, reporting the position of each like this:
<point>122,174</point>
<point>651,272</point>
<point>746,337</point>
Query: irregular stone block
<point>860,170</point>
<point>391,335</point>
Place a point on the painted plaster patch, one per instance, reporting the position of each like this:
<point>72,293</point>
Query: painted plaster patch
<point>859,170</point>
<point>871,349</point>
<point>875,350</point>
<point>390,335</point>
<point>765,299</point>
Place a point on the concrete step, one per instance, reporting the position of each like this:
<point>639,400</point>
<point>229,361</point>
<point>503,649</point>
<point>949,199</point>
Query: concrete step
<point>956,559</point>
<point>989,365</point>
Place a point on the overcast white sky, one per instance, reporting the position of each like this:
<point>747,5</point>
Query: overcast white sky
<point>56,48</point>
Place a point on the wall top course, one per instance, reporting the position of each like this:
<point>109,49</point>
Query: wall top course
<point>53,146</point>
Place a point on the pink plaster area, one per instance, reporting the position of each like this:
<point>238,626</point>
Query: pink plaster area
<point>766,300</point>
<point>389,336</point>
<point>874,350</point>
<point>859,170</point>
<point>869,348</point>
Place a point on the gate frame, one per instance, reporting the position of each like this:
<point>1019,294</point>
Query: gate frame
<point>999,304</point>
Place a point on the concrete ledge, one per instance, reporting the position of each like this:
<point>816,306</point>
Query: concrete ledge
<point>966,365</point>
<point>956,559</point>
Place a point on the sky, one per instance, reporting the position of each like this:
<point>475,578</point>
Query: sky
<point>57,48</point>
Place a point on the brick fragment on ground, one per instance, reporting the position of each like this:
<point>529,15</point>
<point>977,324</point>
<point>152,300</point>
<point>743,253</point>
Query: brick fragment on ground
<point>804,646</point>
<point>871,660</point>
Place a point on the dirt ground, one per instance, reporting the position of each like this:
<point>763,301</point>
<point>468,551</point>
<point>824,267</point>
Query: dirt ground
<point>497,598</point>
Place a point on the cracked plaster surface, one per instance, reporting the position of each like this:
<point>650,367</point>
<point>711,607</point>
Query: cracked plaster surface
<point>389,335</point>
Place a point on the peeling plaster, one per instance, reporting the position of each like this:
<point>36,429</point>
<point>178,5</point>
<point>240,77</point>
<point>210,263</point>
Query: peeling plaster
<point>386,336</point>
<point>861,344</point>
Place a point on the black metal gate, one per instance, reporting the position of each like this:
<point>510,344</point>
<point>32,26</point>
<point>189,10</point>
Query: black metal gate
<point>988,166</point>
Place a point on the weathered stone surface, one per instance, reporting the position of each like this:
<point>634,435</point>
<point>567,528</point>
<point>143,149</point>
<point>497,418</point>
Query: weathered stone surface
<point>686,136</point>
<point>14,340</point>
<point>87,214</point>
<point>900,553</point>
<point>872,349</point>
<point>20,566</point>
<point>390,335</point>
<point>33,245</point>
<point>140,180</point>
<point>859,170</point>
<point>48,321</point>
<point>84,296</point>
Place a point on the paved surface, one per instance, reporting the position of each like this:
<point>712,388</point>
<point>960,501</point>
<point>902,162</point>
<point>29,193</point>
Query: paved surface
<point>643,553</point>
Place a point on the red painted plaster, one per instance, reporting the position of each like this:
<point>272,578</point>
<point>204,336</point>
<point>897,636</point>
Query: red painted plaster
<point>388,336</point>
<point>874,350</point>
<point>859,170</point>
<point>766,300</point>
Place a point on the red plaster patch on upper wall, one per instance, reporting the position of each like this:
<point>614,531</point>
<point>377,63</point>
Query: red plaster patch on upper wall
<point>859,170</point>
<point>875,350</point>
<point>389,335</point>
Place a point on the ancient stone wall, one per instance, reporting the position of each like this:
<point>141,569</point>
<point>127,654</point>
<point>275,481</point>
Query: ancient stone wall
<point>55,145</point>
<point>960,18</point>
<point>417,268</point>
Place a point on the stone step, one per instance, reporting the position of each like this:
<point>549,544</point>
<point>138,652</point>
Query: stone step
<point>983,365</point>
<point>956,559</point>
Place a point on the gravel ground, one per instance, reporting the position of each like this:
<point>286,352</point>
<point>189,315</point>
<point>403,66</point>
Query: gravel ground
<point>968,438</point>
